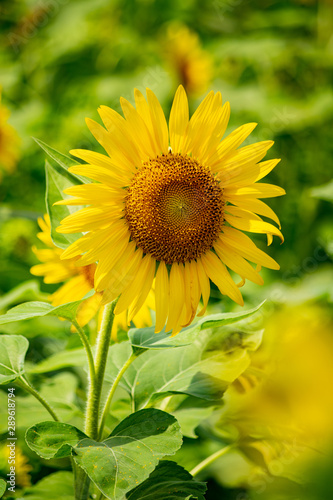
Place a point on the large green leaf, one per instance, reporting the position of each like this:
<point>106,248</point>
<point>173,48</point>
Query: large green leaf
<point>58,179</point>
<point>147,338</point>
<point>53,439</point>
<point>13,349</point>
<point>130,453</point>
<point>63,359</point>
<point>168,481</point>
<point>55,486</point>
<point>30,310</point>
<point>189,370</point>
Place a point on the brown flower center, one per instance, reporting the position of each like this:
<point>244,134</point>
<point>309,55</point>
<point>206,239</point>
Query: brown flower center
<point>174,208</point>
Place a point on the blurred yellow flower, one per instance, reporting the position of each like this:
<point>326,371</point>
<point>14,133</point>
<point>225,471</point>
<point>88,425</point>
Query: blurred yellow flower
<point>79,280</point>
<point>280,411</point>
<point>22,466</point>
<point>9,142</point>
<point>190,63</point>
<point>177,213</point>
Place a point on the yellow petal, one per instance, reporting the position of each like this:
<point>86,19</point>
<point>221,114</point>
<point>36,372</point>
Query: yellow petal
<point>243,245</point>
<point>144,289</point>
<point>259,190</point>
<point>204,286</point>
<point>121,136</point>
<point>138,130</point>
<point>253,226</point>
<point>229,144</point>
<point>88,219</point>
<point>161,296</point>
<point>255,206</point>
<point>218,273</point>
<point>159,122</point>
<point>235,262</point>
<point>192,294</point>
<point>108,259</point>
<point>177,295</point>
<point>122,273</point>
<point>178,120</point>
<point>111,146</point>
<point>135,285</point>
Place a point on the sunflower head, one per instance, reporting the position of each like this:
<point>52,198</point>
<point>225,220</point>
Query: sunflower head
<point>191,64</point>
<point>171,204</point>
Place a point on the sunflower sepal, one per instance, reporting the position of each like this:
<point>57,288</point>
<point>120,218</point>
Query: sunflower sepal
<point>57,180</point>
<point>63,160</point>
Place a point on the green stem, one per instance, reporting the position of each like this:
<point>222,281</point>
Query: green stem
<point>27,387</point>
<point>112,391</point>
<point>209,460</point>
<point>81,483</point>
<point>87,347</point>
<point>95,389</point>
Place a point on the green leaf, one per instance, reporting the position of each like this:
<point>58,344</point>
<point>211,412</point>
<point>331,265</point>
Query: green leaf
<point>55,486</point>
<point>130,454</point>
<point>13,349</point>
<point>53,439</point>
<point>58,179</point>
<point>73,357</point>
<point>30,310</point>
<point>170,482</point>
<point>224,319</point>
<point>324,192</point>
<point>3,485</point>
<point>63,160</point>
<point>147,338</point>
<point>29,290</point>
<point>189,370</point>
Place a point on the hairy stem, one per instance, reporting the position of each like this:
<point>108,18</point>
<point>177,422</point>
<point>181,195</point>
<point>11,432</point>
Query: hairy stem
<point>95,389</point>
<point>209,460</point>
<point>21,382</point>
<point>112,391</point>
<point>87,347</point>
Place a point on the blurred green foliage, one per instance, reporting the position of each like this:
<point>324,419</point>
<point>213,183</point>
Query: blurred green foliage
<point>272,60</point>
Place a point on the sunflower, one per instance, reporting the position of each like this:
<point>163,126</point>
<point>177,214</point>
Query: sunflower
<point>174,214</point>
<point>79,280</point>
<point>9,142</point>
<point>190,63</point>
<point>22,466</point>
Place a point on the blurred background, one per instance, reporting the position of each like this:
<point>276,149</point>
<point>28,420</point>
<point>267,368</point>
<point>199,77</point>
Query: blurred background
<point>273,60</point>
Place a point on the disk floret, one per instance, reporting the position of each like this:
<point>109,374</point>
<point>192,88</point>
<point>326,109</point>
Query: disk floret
<point>174,208</point>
